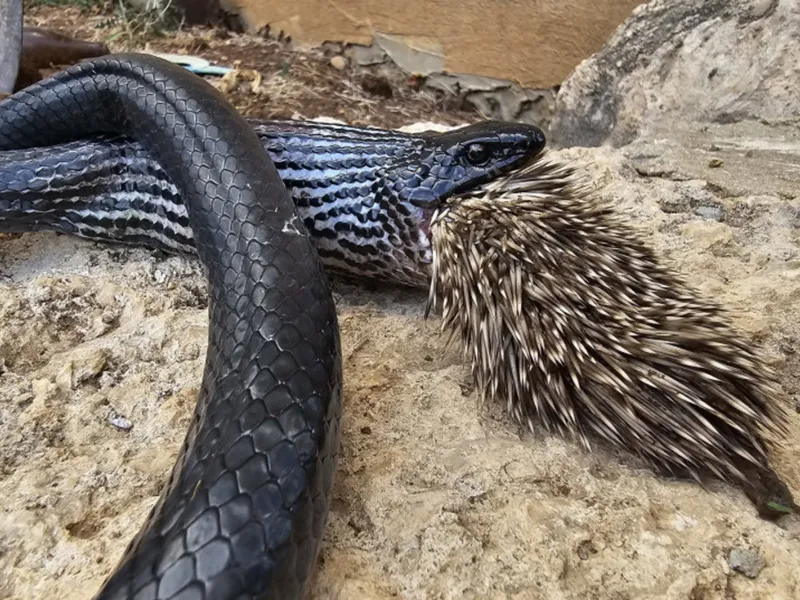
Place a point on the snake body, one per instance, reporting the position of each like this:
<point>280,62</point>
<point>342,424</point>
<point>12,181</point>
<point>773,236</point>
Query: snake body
<point>366,195</point>
<point>243,511</point>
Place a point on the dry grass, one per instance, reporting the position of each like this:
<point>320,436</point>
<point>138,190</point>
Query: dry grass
<point>118,20</point>
<point>133,26</point>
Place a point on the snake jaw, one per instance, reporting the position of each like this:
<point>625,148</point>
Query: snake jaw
<point>425,216</point>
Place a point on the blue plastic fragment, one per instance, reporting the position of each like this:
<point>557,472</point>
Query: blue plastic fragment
<point>195,64</point>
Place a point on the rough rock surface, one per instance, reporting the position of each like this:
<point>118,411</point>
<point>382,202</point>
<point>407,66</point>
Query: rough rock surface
<point>497,99</point>
<point>435,497</point>
<point>682,61</point>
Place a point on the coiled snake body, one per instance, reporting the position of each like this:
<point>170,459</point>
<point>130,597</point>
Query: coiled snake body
<point>243,511</point>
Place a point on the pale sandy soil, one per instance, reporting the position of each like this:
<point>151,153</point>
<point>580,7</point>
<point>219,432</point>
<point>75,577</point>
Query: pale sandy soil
<point>436,497</point>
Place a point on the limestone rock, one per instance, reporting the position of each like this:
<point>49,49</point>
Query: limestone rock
<point>718,61</point>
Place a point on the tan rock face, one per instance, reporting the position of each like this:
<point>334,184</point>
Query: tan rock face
<point>676,61</point>
<point>435,495</point>
<point>536,44</point>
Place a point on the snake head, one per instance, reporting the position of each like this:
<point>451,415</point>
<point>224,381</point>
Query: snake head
<point>430,169</point>
<point>463,159</point>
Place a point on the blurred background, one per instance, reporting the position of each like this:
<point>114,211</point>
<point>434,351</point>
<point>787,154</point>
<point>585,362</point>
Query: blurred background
<point>504,59</point>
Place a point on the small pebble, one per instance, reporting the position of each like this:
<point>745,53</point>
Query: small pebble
<point>672,205</point>
<point>715,163</point>
<point>712,213</point>
<point>797,404</point>
<point>747,562</point>
<point>366,430</point>
<point>339,63</point>
<point>585,549</point>
<point>759,8</point>
<point>121,423</point>
<point>92,366</point>
<point>26,398</point>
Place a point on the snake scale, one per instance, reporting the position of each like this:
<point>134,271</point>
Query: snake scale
<point>365,194</point>
<point>243,511</point>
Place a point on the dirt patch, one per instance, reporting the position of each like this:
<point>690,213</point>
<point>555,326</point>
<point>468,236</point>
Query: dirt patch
<point>293,83</point>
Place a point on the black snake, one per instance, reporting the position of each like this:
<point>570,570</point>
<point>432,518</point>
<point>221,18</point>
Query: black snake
<point>243,511</point>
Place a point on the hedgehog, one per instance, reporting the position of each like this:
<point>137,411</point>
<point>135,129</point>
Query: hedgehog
<point>572,321</point>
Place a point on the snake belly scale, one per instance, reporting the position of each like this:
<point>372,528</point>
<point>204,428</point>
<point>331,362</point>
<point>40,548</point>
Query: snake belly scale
<point>243,511</point>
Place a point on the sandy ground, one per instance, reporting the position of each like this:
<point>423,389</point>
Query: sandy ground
<point>436,497</point>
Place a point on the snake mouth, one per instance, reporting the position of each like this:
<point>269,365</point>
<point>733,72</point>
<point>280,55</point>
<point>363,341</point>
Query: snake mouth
<point>425,219</point>
<point>527,171</point>
<point>542,176</point>
<point>536,170</point>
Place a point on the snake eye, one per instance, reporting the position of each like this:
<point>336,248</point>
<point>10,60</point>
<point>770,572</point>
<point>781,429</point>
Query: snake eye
<point>477,154</point>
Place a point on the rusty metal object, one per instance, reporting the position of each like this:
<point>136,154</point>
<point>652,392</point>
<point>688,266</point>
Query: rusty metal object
<point>43,48</point>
